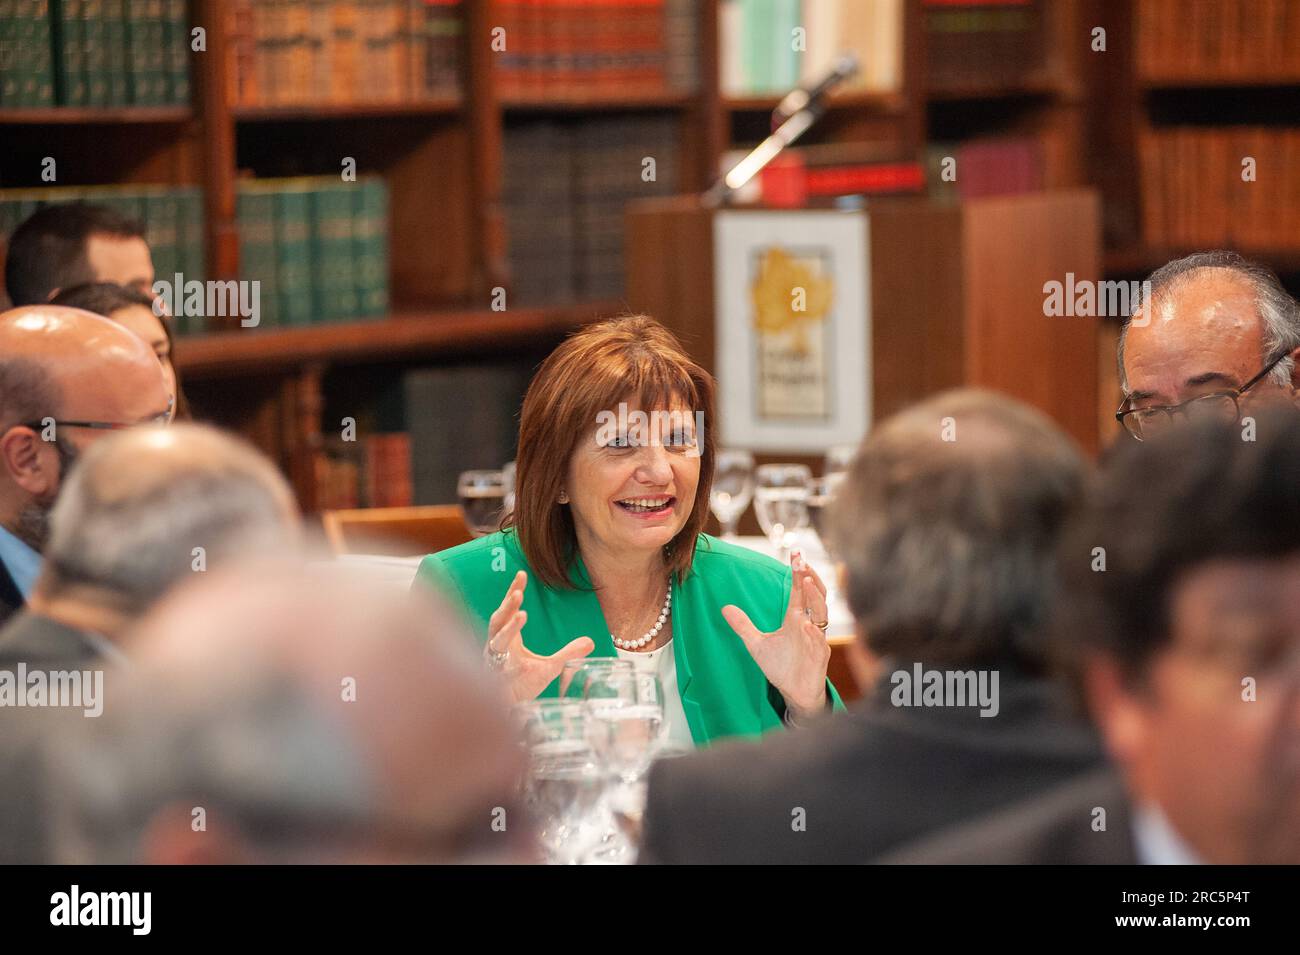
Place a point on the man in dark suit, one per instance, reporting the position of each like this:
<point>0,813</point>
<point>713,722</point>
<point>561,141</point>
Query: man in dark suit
<point>1186,642</point>
<point>67,377</point>
<point>945,527</point>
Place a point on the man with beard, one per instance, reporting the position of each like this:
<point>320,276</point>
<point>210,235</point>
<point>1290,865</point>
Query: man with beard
<point>67,377</point>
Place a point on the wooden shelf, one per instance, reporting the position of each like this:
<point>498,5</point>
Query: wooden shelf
<point>1202,82</point>
<point>441,106</point>
<point>1142,260</point>
<point>1033,86</point>
<point>81,116</point>
<point>551,101</point>
<point>884,104</point>
<point>404,334</point>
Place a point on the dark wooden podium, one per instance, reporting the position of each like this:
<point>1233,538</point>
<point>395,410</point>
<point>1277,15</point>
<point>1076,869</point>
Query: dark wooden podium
<point>956,296</point>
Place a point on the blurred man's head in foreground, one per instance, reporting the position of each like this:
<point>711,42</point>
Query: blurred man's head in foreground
<point>1181,613</point>
<point>150,507</point>
<point>945,527</point>
<point>276,716</point>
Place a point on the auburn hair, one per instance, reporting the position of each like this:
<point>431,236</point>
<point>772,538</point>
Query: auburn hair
<point>633,358</point>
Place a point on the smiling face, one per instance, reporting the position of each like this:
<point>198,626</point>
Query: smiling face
<point>1204,335</point>
<point>632,484</point>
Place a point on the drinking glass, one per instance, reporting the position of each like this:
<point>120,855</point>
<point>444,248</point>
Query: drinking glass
<point>565,779</point>
<point>733,486</point>
<point>482,496</point>
<point>578,674</point>
<point>839,457</point>
<point>820,492</point>
<point>781,502</point>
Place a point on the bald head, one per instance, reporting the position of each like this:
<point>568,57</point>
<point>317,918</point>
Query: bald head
<point>314,718</point>
<point>147,507</point>
<point>1211,323</point>
<point>63,365</point>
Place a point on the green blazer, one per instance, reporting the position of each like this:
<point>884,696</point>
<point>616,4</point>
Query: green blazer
<point>723,691</point>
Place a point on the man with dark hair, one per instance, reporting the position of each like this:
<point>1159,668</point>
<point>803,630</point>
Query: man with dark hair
<point>67,377</point>
<point>945,527</point>
<point>59,246</point>
<point>1180,613</point>
<point>1214,336</point>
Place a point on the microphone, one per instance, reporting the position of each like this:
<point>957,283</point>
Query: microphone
<point>844,68</point>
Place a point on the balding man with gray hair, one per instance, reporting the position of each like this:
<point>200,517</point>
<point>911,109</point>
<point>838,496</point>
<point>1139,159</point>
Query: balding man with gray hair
<point>945,529</point>
<point>1214,336</point>
<point>273,715</point>
<point>143,510</point>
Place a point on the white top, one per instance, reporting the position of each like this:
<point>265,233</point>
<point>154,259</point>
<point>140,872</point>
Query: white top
<point>676,730</point>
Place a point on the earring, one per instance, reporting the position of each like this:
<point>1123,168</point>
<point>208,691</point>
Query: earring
<point>564,498</point>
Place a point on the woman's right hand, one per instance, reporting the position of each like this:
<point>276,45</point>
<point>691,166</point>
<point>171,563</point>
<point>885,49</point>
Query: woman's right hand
<point>527,673</point>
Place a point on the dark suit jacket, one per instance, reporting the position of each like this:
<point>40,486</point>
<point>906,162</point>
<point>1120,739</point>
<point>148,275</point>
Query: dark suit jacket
<point>1055,828</point>
<point>43,643</point>
<point>11,598</point>
<point>867,781</point>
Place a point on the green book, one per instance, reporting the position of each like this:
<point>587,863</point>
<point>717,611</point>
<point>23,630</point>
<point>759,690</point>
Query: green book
<point>293,251</point>
<point>70,76</point>
<point>189,201</point>
<point>370,241</point>
<point>144,63</point>
<point>333,280</point>
<point>43,55</point>
<point>176,46</point>
<point>255,214</point>
<point>163,217</point>
<point>94,57</point>
<point>115,66</point>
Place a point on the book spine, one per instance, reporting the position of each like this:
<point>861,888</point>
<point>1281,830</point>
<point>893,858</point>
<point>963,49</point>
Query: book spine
<point>293,253</point>
<point>371,246</point>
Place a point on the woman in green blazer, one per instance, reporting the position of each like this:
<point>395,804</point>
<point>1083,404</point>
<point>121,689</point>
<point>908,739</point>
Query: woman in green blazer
<point>603,554</point>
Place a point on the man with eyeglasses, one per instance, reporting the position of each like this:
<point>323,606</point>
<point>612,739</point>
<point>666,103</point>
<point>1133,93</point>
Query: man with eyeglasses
<point>67,378</point>
<point>1216,337</point>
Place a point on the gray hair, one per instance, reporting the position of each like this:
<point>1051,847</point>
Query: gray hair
<point>946,526</point>
<point>28,391</point>
<point>138,505</point>
<point>1278,311</point>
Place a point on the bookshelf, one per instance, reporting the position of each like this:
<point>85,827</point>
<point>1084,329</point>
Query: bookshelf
<point>444,158</point>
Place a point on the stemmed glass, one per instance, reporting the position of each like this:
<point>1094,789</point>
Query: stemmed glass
<point>820,492</point>
<point>781,503</point>
<point>482,496</point>
<point>629,708</point>
<point>838,458</point>
<point>733,486</point>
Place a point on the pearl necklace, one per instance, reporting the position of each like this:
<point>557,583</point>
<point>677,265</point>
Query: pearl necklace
<point>653,631</point>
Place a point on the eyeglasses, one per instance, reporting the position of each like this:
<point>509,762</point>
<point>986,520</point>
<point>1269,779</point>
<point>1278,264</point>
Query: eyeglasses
<point>1143,423</point>
<point>161,418</point>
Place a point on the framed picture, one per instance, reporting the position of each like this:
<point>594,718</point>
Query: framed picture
<point>793,334</point>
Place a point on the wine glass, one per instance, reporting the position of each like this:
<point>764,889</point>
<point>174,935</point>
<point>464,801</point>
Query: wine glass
<point>839,457</point>
<point>482,495</point>
<point>565,779</point>
<point>733,486</point>
<point>820,492</point>
<point>508,479</point>
<point>628,708</point>
<point>781,502</point>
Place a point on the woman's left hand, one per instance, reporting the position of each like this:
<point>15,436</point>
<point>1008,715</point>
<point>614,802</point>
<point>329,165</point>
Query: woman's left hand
<point>794,658</point>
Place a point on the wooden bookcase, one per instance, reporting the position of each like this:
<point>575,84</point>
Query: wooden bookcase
<point>443,163</point>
